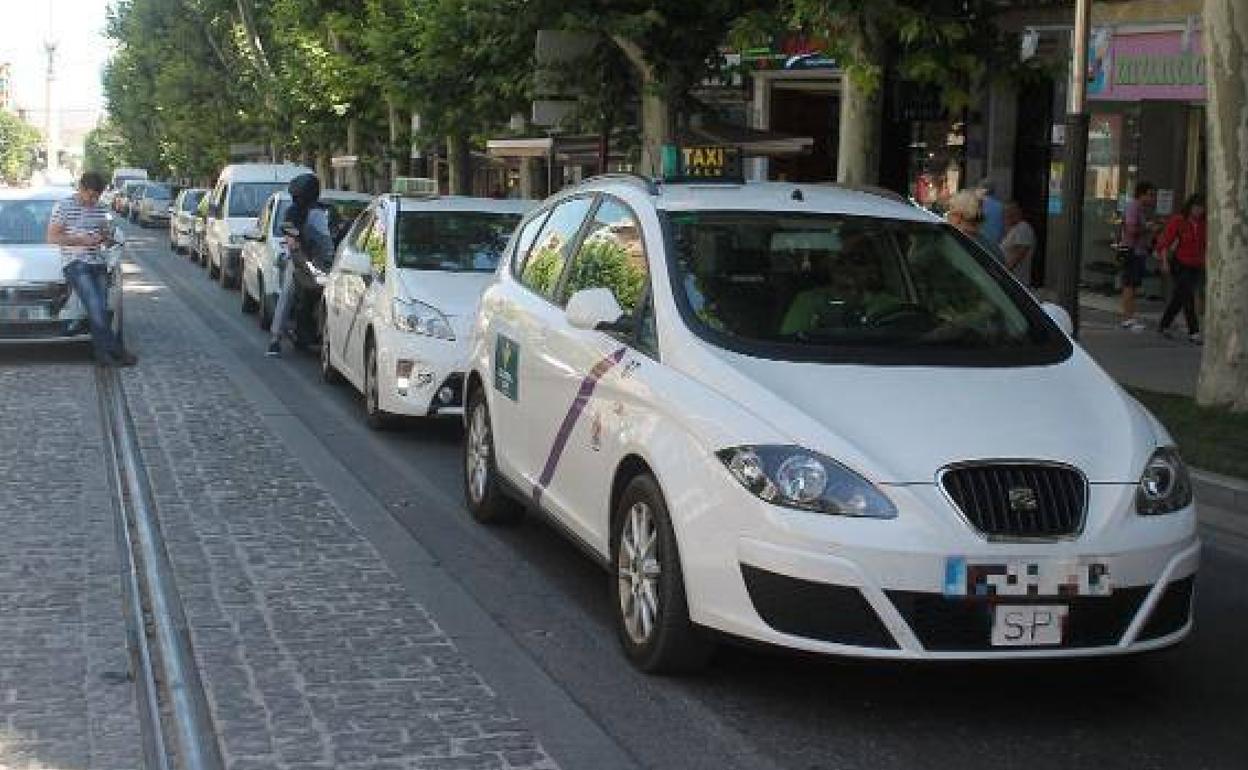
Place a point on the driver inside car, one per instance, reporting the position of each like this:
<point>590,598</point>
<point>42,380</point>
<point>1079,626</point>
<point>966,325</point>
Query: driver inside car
<point>849,283</point>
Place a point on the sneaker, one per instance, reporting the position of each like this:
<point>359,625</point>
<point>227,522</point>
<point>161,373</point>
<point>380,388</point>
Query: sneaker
<point>275,349</point>
<point>124,359</point>
<point>1165,333</point>
<point>1134,325</point>
<point>1196,338</point>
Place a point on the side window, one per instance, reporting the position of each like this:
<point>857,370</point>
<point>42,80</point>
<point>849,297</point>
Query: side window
<point>524,241</point>
<point>612,256</point>
<point>374,243</point>
<point>362,226</point>
<point>265,215</point>
<point>544,266</point>
<point>218,200</point>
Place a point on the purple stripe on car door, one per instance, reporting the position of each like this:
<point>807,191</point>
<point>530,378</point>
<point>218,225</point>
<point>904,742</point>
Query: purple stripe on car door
<point>569,420</point>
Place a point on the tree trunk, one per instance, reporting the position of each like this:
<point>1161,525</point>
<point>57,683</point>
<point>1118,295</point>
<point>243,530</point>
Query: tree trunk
<point>353,149</point>
<point>323,169</point>
<point>392,112</point>
<point>459,162</point>
<point>1224,366</point>
<point>857,153</point>
<point>656,109</point>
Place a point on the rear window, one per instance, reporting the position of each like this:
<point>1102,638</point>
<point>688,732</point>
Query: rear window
<point>24,222</point>
<point>159,192</point>
<point>458,241</point>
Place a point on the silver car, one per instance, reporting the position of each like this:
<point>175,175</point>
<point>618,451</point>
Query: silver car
<point>36,304</point>
<point>182,219</point>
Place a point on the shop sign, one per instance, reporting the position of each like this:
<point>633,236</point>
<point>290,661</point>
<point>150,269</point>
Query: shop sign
<point>1148,65</point>
<point>791,52</point>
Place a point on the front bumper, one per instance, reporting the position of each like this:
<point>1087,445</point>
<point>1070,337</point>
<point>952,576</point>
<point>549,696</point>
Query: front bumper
<point>420,376</point>
<point>882,588</point>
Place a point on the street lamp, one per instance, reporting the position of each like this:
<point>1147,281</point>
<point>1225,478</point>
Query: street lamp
<point>1067,284</point>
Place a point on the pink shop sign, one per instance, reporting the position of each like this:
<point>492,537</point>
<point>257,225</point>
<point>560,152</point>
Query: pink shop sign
<point>1148,65</point>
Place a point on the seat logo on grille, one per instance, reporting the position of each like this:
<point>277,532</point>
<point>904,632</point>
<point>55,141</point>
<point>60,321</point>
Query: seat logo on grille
<point>1023,500</point>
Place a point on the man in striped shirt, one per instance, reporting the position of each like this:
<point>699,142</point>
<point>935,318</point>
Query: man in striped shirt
<point>79,225</point>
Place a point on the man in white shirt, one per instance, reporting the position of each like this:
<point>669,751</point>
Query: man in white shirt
<point>1019,243</point>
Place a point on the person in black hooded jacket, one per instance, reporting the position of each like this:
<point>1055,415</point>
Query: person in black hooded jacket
<point>311,250</point>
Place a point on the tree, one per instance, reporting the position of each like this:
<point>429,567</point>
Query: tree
<point>1224,366</point>
<point>19,142</point>
<point>104,149</point>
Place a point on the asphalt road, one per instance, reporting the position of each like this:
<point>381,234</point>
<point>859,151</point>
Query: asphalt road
<point>1181,708</point>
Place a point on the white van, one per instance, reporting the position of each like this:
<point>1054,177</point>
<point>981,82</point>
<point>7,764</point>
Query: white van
<point>123,175</point>
<point>233,205</point>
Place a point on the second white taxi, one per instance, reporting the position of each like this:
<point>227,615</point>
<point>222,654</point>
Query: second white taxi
<point>400,299</point>
<point>823,419</point>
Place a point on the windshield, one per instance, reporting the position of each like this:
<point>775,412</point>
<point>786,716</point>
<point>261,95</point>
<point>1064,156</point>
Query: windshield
<point>841,288</point>
<point>158,192</point>
<point>191,200</point>
<point>452,240</point>
<point>24,221</point>
<point>247,198</point>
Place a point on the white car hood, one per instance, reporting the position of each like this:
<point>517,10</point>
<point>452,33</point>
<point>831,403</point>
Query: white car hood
<point>456,295</point>
<point>909,422</point>
<point>33,262</point>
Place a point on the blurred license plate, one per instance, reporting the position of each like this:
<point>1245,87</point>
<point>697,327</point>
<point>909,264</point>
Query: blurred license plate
<point>1032,625</point>
<point>23,313</point>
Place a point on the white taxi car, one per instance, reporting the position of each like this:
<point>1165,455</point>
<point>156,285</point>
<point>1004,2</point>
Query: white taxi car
<point>823,419</point>
<point>400,299</point>
<point>36,303</point>
<point>233,205</point>
<point>264,245</point>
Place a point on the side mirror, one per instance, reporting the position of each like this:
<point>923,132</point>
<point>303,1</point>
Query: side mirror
<point>355,263</point>
<point>1060,317</point>
<point>169,210</point>
<point>595,309</point>
<point>252,234</point>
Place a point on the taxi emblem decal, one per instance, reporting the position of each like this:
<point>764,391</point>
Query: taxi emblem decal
<point>583,395</point>
<point>507,367</point>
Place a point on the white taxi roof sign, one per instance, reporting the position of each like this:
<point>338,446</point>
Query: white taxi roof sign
<point>702,163</point>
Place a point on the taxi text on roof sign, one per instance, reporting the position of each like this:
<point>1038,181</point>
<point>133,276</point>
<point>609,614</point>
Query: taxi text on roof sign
<point>702,163</point>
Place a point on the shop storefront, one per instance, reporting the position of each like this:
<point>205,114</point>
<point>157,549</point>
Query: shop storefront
<point>1146,91</point>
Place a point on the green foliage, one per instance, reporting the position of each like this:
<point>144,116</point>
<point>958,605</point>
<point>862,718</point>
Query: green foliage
<point>18,143</point>
<point>104,149</point>
<point>608,263</point>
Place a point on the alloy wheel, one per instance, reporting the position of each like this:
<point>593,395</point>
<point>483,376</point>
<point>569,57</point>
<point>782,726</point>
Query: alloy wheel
<point>638,571</point>
<point>477,458</point>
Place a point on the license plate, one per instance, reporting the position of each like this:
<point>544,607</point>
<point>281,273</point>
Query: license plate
<point>1032,625</point>
<point>1058,578</point>
<point>23,313</point>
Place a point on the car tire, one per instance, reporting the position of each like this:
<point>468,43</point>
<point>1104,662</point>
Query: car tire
<point>484,494</point>
<point>647,587</point>
<point>267,309</point>
<point>374,415</point>
<point>329,373</point>
<point>249,305</point>
<point>213,270</point>
<point>223,276</point>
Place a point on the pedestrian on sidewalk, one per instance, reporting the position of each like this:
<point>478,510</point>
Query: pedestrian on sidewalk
<point>965,212</point>
<point>79,225</point>
<point>1019,243</point>
<point>1136,242</point>
<point>1181,251</point>
<point>993,225</point>
<point>308,241</point>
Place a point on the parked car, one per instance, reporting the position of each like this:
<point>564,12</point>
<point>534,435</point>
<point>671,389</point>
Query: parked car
<point>233,206</point>
<point>154,201</point>
<point>823,419</point>
<point>36,304</point>
<point>182,220</point>
<point>399,302</point>
<point>264,245</point>
<point>124,201</point>
<point>199,228</point>
<point>123,175</point>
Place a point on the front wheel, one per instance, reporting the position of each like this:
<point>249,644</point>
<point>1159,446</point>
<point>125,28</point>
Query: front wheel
<point>375,416</point>
<point>214,270</point>
<point>250,305</point>
<point>487,500</point>
<point>329,373</point>
<point>648,588</point>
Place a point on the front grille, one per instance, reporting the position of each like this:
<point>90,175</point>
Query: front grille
<point>949,624</point>
<point>1019,500</point>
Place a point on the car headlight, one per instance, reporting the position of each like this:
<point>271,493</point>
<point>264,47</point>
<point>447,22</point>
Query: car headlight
<point>793,477</point>
<point>1165,486</point>
<point>419,318</point>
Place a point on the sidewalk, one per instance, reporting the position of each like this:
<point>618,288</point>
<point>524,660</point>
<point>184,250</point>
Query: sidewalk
<point>65,699</point>
<point>1147,360</point>
<point>313,654</point>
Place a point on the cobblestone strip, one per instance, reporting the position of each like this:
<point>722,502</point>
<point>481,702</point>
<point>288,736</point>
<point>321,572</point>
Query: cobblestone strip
<point>65,700</point>
<point>312,653</point>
